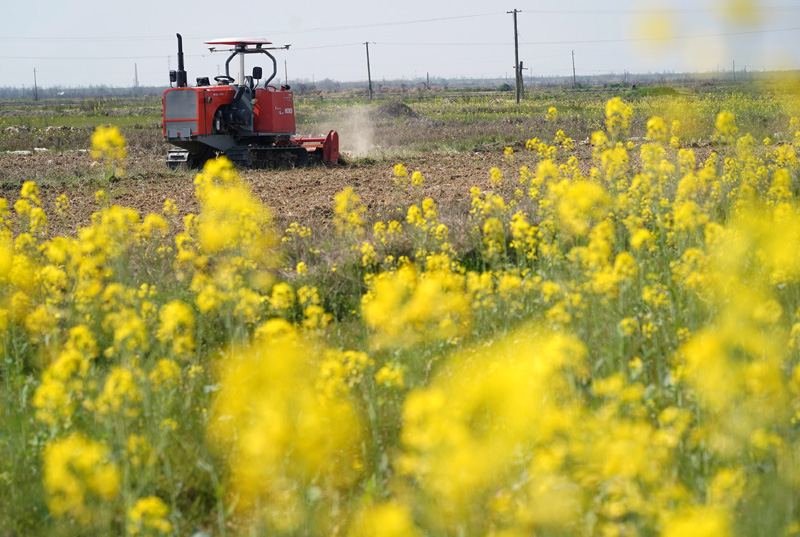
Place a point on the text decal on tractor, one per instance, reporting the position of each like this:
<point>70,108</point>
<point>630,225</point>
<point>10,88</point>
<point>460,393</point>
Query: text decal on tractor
<point>250,122</point>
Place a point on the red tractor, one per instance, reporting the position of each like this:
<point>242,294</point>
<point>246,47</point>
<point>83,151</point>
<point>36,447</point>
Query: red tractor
<point>250,122</point>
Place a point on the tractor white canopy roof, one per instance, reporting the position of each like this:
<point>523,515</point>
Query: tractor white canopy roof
<point>239,41</point>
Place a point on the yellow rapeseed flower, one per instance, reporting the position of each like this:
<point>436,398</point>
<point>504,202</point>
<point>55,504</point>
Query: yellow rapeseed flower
<point>618,115</point>
<point>349,213</point>
<point>176,326</point>
<point>657,129</point>
<point>496,177</point>
<point>148,517</point>
<point>404,308</point>
<point>384,520</point>
<point>170,208</point>
<point>165,373</point>
<point>390,375</point>
<point>109,145</point>
<point>78,475</point>
<point>725,126</point>
<point>700,521</point>
<point>120,394</point>
<point>471,409</point>
<point>281,432</point>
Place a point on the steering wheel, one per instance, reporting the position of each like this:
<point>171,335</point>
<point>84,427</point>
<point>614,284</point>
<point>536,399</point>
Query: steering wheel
<point>223,79</point>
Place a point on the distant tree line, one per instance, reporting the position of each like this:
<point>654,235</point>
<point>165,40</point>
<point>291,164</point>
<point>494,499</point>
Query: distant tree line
<point>81,92</point>
<point>327,85</point>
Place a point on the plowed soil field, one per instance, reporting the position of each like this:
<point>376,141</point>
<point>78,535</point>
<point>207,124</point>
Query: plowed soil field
<point>303,195</point>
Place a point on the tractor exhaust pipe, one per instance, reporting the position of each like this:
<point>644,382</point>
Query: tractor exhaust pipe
<point>181,72</point>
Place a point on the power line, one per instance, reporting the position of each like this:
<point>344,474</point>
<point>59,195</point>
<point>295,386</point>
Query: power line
<point>424,44</point>
<point>61,58</point>
<point>675,38</point>
<point>654,11</point>
<point>407,22</point>
<point>277,32</point>
<point>620,40</point>
<point>432,44</point>
<point>760,9</point>
<point>382,24</point>
<point>328,46</point>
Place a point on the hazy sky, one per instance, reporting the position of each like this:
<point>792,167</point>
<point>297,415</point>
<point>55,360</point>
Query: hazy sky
<point>94,42</point>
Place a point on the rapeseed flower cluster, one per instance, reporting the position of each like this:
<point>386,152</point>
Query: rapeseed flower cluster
<point>401,177</point>
<point>348,213</point>
<point>113,320</point>
<point>284,429</point>
<point>607,236</point>
<point>78,477</point>
<point>148,517</point>
<point>404,308</point>
<point>110,146</point>
<point>618,116</point>
<point>611,348</point>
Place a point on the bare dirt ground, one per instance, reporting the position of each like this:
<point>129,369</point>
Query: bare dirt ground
<point>299,195</point>
<point>303,195</point>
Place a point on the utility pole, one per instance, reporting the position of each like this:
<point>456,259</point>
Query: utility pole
<point>35,89</point>
<point>574,83</point>
<point>135,79</point>
<point>285,74</point>
<point>369,74</point>
<point>517,71</point>
<point>734,70</point>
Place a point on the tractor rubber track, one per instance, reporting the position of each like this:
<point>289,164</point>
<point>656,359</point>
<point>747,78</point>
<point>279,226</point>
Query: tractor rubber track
<point>244,157</point>
<point>275,157</point>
